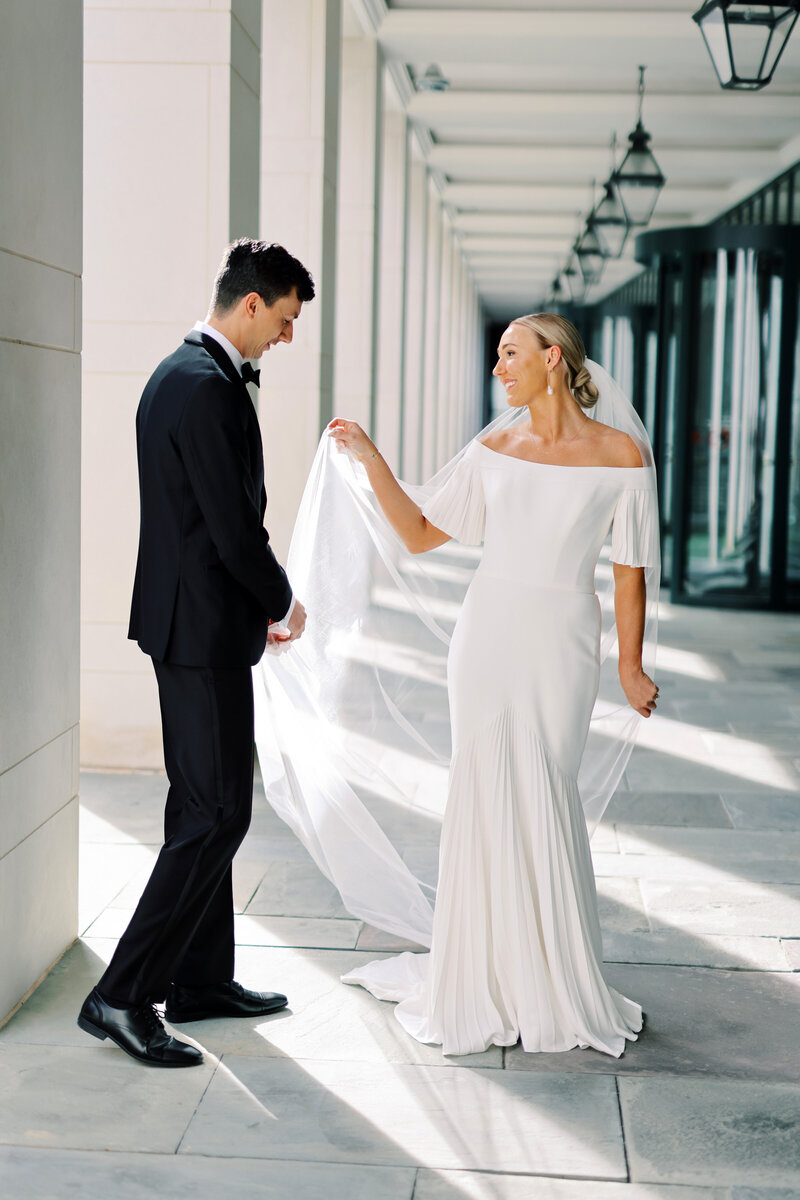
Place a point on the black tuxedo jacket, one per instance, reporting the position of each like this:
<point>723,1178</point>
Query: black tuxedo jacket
<point>207,583</point>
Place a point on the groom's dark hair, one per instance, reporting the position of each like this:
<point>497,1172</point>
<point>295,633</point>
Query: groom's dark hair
<point>263,267</point>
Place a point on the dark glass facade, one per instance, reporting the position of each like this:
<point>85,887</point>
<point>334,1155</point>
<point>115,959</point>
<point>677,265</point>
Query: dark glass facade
<point>707,342</point>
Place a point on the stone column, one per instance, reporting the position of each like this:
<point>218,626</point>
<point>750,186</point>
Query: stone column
<point>301,63</point>
<point>40,415</point>
<point>171,128</point>
<point>391,281</point>
<point>433,282</point>
<point>357,251</point>
<point>415,322</point>
<point>446,336</point>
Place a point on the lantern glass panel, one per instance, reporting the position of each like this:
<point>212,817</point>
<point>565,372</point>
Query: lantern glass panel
<point>575,284</point>
<point>612,236</point>
<point>751,38</point>
<point>715,34</point>
<point>639,201</point>
<point>610,224</point>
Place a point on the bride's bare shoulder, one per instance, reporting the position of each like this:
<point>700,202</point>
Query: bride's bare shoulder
<point>616,448</point>
<point>496,440</point>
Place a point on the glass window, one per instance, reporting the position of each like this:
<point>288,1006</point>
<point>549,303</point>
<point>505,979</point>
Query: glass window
<point>733,424</point>
<point>793,531</point>
<point>782,211</point>
<point>650,364</point>
<point>768,207</point>
<point>673,298</point>
<point>623,354</point>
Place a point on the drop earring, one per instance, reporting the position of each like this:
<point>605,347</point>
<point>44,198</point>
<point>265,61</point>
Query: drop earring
<point>549,385</point>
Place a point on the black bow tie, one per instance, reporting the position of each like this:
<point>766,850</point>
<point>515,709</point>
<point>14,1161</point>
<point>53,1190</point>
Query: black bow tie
<point>250,375</point>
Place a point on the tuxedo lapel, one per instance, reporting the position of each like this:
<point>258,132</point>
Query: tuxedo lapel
<point>195,338</point>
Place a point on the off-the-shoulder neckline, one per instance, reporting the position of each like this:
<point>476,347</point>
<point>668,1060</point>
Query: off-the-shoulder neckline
<point>531,462</point>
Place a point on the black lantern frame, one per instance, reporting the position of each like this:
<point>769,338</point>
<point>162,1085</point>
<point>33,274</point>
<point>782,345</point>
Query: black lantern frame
<point>733,32</point>
<point>589,252</point>
<point>609,220</point>
<point>639,179</point>
<point>574,281</point>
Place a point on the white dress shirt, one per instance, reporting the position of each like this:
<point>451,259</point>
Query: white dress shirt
<point>238,361</point>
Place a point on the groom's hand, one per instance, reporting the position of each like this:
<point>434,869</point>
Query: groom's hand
<point>297,622</point>
<point>281,635</point>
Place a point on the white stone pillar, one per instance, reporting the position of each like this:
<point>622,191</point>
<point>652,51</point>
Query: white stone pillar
<point>443,339</point>
<point>415,316</point>
<point>171,153</point>
<point>356,276</point>
<point>301,63</point>
<point>433,284</point>
<point>391,279</point>
<point>457,354</point>
<point>40,414</point>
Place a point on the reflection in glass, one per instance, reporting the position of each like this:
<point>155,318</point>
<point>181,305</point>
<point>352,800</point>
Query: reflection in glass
<point>650,368</point>
<point>734,415</point>
<point>793,532</point>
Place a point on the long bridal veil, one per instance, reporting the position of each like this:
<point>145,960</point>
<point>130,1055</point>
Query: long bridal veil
<point>343,716</point>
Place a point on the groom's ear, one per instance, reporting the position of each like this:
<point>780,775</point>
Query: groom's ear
<point>249,304</point>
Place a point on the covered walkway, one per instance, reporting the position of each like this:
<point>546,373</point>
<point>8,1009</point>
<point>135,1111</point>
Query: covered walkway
<point>698,870</point>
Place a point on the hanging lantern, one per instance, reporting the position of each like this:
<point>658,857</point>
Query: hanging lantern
<point>638,181</point>
<point>573,280</point>
<point>591,258</point>
<point>557,294</point>
<point>745,41</point>
<point>608,220</point>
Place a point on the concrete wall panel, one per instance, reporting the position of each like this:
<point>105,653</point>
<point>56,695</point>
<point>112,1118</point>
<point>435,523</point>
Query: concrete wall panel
<point>172,123</point>
<point>40,321</point>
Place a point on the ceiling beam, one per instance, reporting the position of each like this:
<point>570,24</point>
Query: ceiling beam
<point>568,198</point>
<point>568,164</point>
<point>475,35</point>
<point>437,108</point>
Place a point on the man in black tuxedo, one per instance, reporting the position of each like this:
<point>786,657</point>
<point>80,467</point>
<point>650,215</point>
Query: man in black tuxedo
<point>208,595</point>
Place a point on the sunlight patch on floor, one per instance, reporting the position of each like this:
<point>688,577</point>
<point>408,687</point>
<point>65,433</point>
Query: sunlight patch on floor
<point>391,656</point>
<point>751,760</point>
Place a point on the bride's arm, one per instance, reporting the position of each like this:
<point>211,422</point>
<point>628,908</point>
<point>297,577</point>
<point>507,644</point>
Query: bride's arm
<point>629,609</point>
<point>404,516</point>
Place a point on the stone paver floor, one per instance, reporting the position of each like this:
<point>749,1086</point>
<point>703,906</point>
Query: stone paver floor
<point>698,870</point>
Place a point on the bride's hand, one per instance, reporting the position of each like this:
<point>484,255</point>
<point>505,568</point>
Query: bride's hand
<point>351,437</point>
<point>640,690</point>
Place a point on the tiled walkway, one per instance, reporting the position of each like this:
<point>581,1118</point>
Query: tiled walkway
<point>698,865</point>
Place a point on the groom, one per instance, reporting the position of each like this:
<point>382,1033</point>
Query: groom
<point>207,590</point>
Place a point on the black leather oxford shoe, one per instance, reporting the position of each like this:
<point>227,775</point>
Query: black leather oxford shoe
<point>137,1031</point>
<point>219,1000</point>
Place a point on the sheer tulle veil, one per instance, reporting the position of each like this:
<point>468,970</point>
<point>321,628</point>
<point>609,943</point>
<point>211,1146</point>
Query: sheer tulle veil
<point>346,741</point>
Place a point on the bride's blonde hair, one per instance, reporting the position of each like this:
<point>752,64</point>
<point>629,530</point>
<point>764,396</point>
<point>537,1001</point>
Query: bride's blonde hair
<point>551,330</point>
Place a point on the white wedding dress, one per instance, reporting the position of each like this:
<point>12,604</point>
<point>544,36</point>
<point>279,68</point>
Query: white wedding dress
<point>516,951</point>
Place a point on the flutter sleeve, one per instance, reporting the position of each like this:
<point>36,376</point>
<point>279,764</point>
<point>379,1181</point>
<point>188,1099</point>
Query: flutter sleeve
<point>634,533</point>
<point>458,506</point>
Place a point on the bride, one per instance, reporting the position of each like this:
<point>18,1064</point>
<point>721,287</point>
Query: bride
<point>516,950</point>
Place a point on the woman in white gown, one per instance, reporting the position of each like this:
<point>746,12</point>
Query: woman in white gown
<point>516,951</point>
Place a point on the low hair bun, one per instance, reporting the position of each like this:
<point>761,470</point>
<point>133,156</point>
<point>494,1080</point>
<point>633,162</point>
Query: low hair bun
<point>550,329</point>
<point>584,390</point>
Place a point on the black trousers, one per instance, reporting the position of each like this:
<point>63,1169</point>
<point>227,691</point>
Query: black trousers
<point>182,929</point>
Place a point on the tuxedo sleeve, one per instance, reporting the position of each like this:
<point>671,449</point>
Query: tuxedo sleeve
<point>212,441</point>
